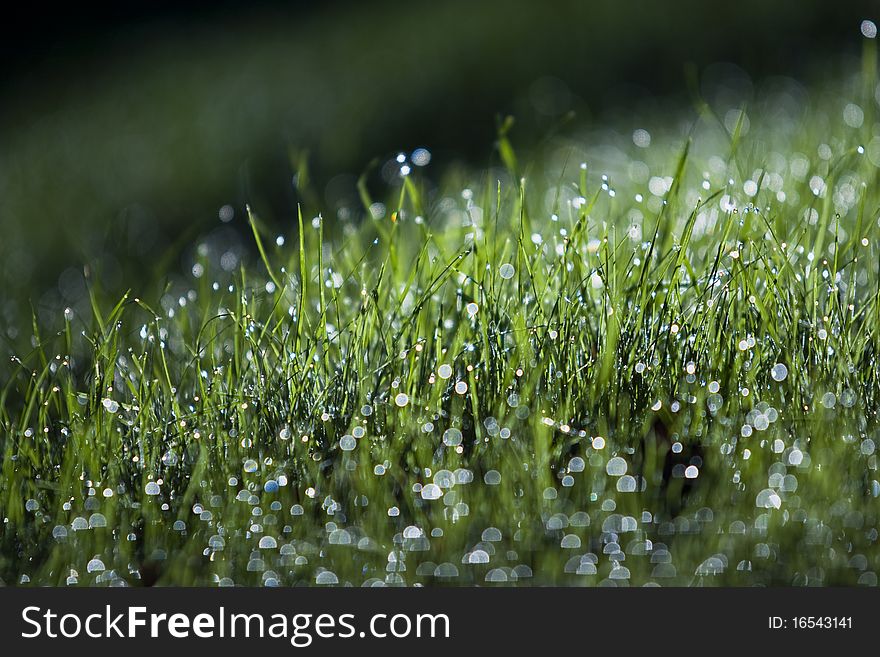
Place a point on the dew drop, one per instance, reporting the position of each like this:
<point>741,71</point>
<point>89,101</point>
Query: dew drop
<point>779,372</point>
<point>452,437</point>
<point>616,467</point>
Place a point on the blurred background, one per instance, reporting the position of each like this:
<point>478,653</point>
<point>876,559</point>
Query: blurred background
<point>129,129</point>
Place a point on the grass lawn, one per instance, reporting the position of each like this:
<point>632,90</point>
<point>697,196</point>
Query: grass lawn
<point>631,357</point>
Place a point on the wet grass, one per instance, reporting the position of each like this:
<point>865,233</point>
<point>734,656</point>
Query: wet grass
<point>658,366</point>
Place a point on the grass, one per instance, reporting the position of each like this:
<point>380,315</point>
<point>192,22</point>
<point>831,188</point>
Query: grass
<point>658,366</point>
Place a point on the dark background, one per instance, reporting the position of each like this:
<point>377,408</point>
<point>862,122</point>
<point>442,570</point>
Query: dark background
<point>125,126</point>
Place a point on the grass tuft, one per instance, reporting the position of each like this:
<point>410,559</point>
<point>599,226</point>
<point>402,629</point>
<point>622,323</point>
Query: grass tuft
<point>658,366</point>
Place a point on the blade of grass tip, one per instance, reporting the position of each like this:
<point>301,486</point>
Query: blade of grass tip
<point>252,220</point>
<point>667,233</point>
<point>363,192</point>
<point>302,179</point>
<point>93,300</point>
<point>300,319</point>
<point>412,276</point>
<point>748,217</point>
<point>392,232</point>
<point>324,335</point>
<point>612,326</point>
<point>367,202</point>
<point>682,261</point>
<point>505,149</point>
<point>643,285</point>
<point>522,257</point>
<point>692,82</point>
<point>116,313</point>
<point>754,296</point>
<point>857,235</point>
<point>39,342</point>
<point>435,284</point>
<point>560,179</point>
<point>497,214</point>
<point>412,192</point>
<point>824,221</point>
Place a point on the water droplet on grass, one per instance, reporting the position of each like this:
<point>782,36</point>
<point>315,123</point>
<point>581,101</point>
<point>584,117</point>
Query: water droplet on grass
<point>452,437</point>
<point>779,372</point>
<point>616,467</point>
<point>626,484</point>
<point>768,499</point>
<point>431,492</point>
<point>570,542</point>
<point>446,571</point>
<point>491,534</point>
<point>327,577</point>
<point>492,478</point>
<point>421,157</point>
<point>477,556</point>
